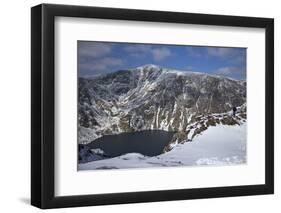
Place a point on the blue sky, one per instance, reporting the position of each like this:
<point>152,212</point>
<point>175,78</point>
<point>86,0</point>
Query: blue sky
<point>104,57</point>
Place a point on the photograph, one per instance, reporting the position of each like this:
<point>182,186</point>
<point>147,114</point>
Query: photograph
<point>160,105</point>
<point>133,105</point>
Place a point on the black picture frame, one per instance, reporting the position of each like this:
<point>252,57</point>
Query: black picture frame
<point>43,117</point>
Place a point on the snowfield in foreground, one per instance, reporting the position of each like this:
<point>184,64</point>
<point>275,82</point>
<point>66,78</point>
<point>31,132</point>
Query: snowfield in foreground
<point>219,145</point>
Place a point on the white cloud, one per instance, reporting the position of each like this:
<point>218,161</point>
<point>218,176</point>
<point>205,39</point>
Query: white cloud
<point>221,52</point>
<point>137,48</point>
<point>233,55</point>
<point>160,53</point>
<point>93,49</point>
<point>194,51</point>
<point>96,56</point>
<point>103,64</point>
<point>140,51</point>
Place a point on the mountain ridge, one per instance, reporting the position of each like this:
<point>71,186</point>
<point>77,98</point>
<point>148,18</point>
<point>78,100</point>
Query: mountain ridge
<point>154,66</point>
<point>152,97</point>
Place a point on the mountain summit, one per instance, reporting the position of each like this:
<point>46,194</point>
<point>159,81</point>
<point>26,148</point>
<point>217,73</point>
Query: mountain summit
<point>151,97</point>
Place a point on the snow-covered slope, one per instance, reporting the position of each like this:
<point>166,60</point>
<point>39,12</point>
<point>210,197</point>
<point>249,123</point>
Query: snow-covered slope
<point>218,145</point>
<point>151,97</point>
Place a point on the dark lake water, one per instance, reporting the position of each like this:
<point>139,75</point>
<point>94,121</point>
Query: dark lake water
<point>149,143</point>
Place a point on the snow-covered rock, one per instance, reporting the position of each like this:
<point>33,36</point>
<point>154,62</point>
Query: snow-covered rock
<point>218,145</point>
<point>152,97</point>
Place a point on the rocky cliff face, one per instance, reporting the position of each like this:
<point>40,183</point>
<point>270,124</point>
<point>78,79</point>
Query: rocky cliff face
<point>151,97</point>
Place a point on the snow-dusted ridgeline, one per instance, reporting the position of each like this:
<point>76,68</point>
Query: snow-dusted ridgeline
<point>151,97</point>
<point>218,145</point>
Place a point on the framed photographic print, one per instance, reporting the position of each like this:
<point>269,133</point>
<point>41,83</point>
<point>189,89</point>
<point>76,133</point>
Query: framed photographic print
<point>140,106</point>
